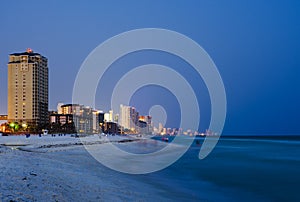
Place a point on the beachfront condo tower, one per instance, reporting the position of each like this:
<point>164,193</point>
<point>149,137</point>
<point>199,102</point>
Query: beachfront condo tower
<point>28,89</point>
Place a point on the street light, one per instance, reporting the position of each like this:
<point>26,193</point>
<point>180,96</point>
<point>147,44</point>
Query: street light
<point>24,126</point>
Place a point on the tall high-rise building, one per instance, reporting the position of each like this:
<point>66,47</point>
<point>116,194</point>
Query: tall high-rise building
<point>124,119</point>
<point>107,117</point>
<point>160,128</point>
<point>96,120</point>
<point>111,115</point>
<point>28,88</point>
<point>128,117</point>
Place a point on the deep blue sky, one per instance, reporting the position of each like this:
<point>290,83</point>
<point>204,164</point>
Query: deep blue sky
<point>255,45</point>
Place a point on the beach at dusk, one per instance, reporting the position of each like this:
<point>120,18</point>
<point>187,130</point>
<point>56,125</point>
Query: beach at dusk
<point>238,170</point>
<point>149,100</point>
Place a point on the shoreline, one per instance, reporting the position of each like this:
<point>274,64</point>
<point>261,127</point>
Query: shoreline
<point>67,172</point>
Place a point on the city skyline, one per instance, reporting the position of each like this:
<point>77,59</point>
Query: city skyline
<point>149,100</point>
<point>254,46</point>
<point>28,105</point>
<point>128,118</point>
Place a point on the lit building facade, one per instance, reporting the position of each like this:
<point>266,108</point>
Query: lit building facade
<point>145,124</point>
<point>28,88</point>
<point>74,109</point>
<point>85,119</point>
<point>110,128</point>
<point>128,117</point>
<point>107,117</point>
<point>142,127</point>
<point>96,121</point>
<point>61,119</point>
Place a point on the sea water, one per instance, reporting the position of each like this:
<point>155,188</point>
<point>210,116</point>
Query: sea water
<point>238,169</point>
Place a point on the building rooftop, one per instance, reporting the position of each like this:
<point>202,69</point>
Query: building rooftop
<point>68,105</point>
<point>28,52</point>
<point>25,53</point>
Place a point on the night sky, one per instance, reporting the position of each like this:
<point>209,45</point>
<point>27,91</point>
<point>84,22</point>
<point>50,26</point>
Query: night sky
<point>254,44</point>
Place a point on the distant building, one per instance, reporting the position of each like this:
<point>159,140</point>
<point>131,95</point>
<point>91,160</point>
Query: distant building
<point>3,121</point>
<point>128,117</point>
<point>28,89</point>
<point>61,123</point>
<point>142,127</point>
<point>74,109</point>
<point>59,108</point>
<point>110,128</point>
<point>96,121</point>
<point>75,118</point>
<point>61,119</point>
<point>107,117</point>
<point>84,120</point>
<point>160,128</point>
<point>3,117</point>
<point>116,118</point>
<point>147,127</point>
<point>111,116</point>
<point>101,117</point>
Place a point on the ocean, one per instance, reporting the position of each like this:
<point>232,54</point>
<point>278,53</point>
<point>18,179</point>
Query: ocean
<point>238,169</point>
